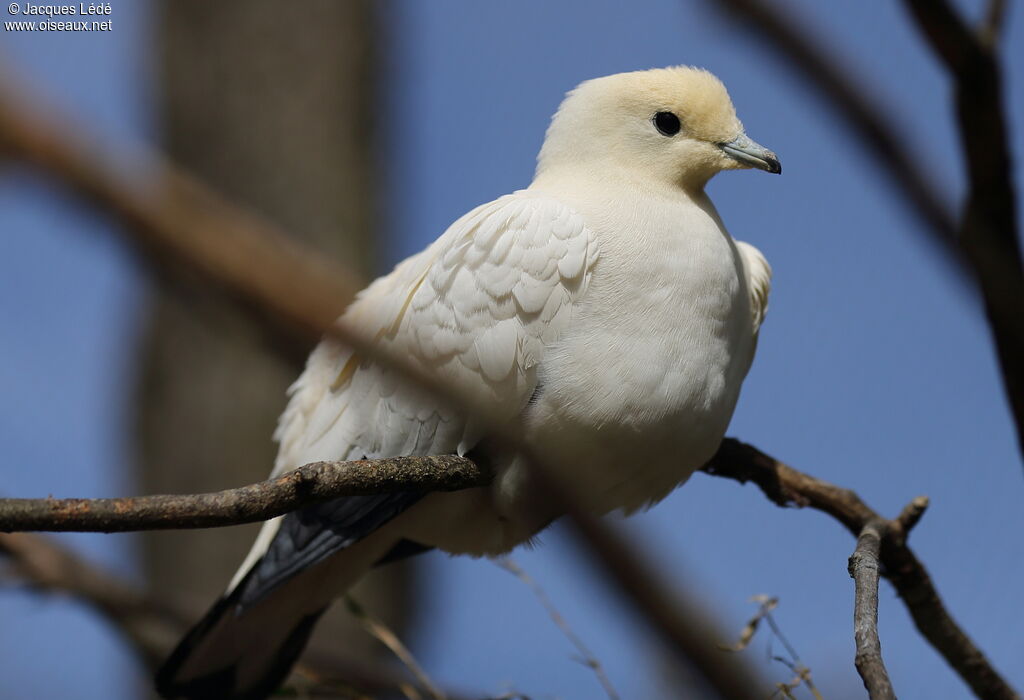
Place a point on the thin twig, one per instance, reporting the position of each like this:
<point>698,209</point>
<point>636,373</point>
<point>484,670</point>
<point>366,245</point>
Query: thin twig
<point>175,214</point>
<point>864,570</point>
<point>765,605</point>
<point>786,487</point>
<point>786,690</point>
<point>802,674</point>
<point>777,631</point>
<point>385,636</point>
<point>589,659</point>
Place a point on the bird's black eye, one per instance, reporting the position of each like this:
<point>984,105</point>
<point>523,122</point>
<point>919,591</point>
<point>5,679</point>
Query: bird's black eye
<point>667,123</point>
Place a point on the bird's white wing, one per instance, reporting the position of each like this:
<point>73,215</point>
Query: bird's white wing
<point>477,308</point>
<point>759,281</point>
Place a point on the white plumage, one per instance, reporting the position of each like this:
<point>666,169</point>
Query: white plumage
<point>605,307</point>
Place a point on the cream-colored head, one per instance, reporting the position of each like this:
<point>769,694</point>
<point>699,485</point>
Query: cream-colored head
<point>674,125</point>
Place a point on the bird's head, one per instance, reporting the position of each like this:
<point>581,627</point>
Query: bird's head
<point>674,126</point>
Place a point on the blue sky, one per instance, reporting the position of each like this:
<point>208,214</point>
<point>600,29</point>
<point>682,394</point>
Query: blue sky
<point>873,371</point>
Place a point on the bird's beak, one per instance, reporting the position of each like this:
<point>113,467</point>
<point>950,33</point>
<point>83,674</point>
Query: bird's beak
<point>751,153</point>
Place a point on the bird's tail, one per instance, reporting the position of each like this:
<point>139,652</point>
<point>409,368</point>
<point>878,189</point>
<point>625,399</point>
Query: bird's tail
<point>246,644</point>
<point>235,653</point>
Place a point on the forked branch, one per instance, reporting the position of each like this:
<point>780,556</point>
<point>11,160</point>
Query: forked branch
<point>787,487</point>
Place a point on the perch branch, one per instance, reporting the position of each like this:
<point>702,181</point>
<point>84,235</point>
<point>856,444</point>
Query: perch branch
<point>309,484</point>
<point>786,487</point>
<point>864,569</point>
<point>323,481</point>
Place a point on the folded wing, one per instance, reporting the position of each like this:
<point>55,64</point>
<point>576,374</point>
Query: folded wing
<point>477,308</point>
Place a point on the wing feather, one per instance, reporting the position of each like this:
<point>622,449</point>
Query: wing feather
<point>759,281</point>
<point>478,307</point>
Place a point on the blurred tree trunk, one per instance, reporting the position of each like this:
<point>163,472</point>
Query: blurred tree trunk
<point>272,105</point>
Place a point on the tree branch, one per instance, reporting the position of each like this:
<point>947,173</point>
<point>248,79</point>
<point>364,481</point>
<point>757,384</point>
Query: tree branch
<point>786,487</point>
<point>984,244</point>
<point>852,106</point>
<point>307,485</point>
<point>987,234</point>
<point>177,221</point>
<point>322,481</point>
<point>992,26</point>
<point>864,571</point>
<point>782,484</point>
<point>152,627</point>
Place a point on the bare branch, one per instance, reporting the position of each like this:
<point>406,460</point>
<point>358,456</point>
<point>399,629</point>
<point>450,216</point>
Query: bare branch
<point>864,571</point>
<point>949,36</point>
<point>984,244</point>
<point>309,484</point>
<point>988,234</point>
<point>782,484</point>
<point>991,28</point>
<point>861,114</point>
<point>786,486</point>
<point>151,626</point>
<point>175,220</point>
<point>323,481</point>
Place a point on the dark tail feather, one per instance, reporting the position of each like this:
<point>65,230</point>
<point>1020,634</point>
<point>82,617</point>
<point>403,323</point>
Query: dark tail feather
<point>244,647</point>
<point>224,683</point>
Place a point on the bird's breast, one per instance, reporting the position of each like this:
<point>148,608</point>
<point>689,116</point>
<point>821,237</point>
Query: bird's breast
<point>640,389</point>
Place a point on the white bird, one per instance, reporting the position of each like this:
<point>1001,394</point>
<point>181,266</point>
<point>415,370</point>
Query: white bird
<point>605,307</point>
